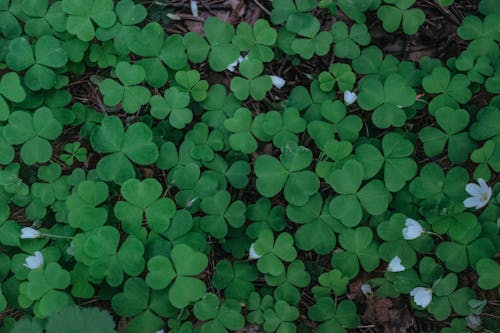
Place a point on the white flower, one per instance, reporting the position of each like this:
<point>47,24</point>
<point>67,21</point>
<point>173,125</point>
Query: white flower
<point>160,331</point>
<point>366,289</point>
<point>421,296</point>
<point>35,261</point>
<point>473,321</point>
<point>395,265</point>
<point>194,8</point>
<point>481,194</point>
<point>251,252</point>
<point>413,229</point>
<point>278,82</point>
<point>232,66</point>
<point>191,202</point>
<point>350,97</point>
<point>30,233</point>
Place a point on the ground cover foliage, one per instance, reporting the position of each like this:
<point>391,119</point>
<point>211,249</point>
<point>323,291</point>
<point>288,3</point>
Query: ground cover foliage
<point>167,167</point>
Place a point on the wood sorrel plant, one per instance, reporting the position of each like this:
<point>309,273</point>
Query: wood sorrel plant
<point>245,173</point>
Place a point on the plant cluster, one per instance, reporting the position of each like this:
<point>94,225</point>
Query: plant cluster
<point>191,206</point>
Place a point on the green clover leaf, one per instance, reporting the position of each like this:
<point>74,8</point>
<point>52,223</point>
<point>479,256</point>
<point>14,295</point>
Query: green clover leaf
<point>133,145</point>
<point>452,122</point>
<point>338,73</point>
<point>400,13</point>
<point>220,212</point>
<point>129,93</point>
<point>220,34</point>
<point>272,252</point>
<point>174,104</point>
<point>240,127</point>
<point>334,317</point>
<point>144,198</point>
<point>257,40</point>
<point>235,278</point>
<point>347,42</point>
<point>251,84</point>
<point>11,89</point>
<point>82,14</point>
<point>33,131</point>
<point>388,100</point>
<point>219,317</point>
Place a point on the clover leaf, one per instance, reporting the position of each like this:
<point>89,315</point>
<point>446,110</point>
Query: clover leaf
<point>11,89</point>
<point>309,100</point>
<point>190,81</point>
<point>252,83</point>
<point>42,18</point>
<point>6,150</point>
<point>274,175</point>
<point>398,167</point>
<point>488,271</point>
<point>451,90</point>
<point>143,304</point>
<point>334,122</point>
<point>240,126</point>
<point>399,13</point>
<point>48,53</point>
<point>257,40</point>
<point>318,43</point>
<point>74,150</point>
<point>347,42</point>
<point>205,142</point>
<point>359,249</point>
<point>220,34</point>
<point>219,317</point>
<point>82,205</point>
<point>235,278</point>
<point>83,14</point>
<point>133,145</point>
<point>296,15</point>
<point>131,95</point>
<point>33,131</point>
<point>54,186</point>
<point>453,122</point>
<point>338,73</point>
<point>334,317</point>
<point>10,27</point>
<point>387,99</point>
<point>332,281</point>
<point>288,282</point>
<point>476,67</point>
<point>185,288</point>
<point>45,287</point>
<point>281,127</point>
<point>174,104</point>
<point>272,252</point>
<point>280,318</point>
<point>484,34</point>
<point>487,157</point>
<point>128,16</point>
<point>257,305</point>
<point>264,216</point>
<point>348,205</point>
<point>220,212</point>
<point>373,63</point>
<point>144,198</point>
<point>317,230</point>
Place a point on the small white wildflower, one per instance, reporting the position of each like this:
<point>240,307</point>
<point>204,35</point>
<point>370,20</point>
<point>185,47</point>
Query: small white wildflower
<point>35,261</point>
<point>366,289</point>
<point>350,97</point>
<point>194,8</point>
<point>422,296</point>
<point>278,82</point>
<point>395,265</point>
<point>160,331</point>
<point>413,229</point>
<point>473,321</point>
<point>481,194</point>
<point>251,252</point>
<point>30,233</point>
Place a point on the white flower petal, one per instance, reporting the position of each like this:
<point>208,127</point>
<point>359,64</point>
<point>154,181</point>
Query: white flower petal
<point>395,265</point>
<point>350,97</point>
<point>422,296</point>
<point>194,8</point>
<point>251,252</point>
<point>413,229</point>
<point>473,189</point>
<point>473,202</point>
<point>473,321</point>
<point>366,289</point>
<point>35,261</point>
<point>28,232</point>
<point>278,82</point>
<point>232,66</point>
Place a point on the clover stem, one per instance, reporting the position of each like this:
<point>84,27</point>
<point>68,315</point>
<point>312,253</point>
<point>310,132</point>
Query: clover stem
<point>434,234</point>
<point>57,236</point>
